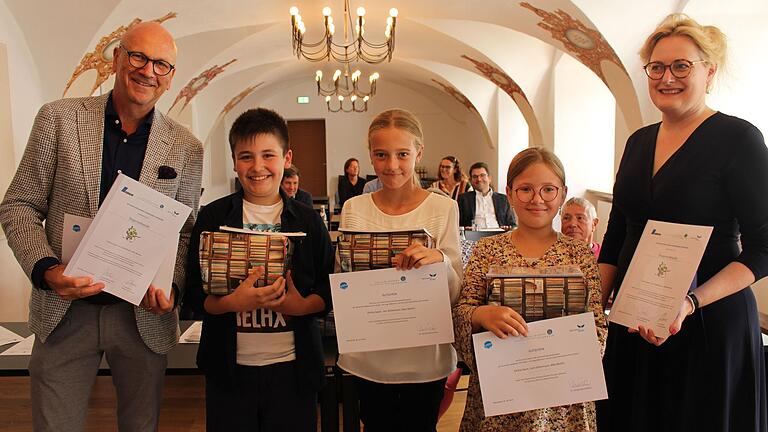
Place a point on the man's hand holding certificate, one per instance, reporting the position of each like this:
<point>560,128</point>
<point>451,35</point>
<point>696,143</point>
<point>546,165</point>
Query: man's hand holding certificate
<point>659,275</point>
<point>389,308</point>
<point>558,363</point>
<point>133,233</point>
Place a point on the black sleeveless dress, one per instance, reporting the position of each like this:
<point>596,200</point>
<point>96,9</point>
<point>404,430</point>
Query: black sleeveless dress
<point>710,376</point>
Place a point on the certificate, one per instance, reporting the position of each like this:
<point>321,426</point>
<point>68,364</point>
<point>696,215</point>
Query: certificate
<point>558,363</point>
<point>659,275</point>
<point>134,231</point>
<point>389,308</point>
<point>75,228</point>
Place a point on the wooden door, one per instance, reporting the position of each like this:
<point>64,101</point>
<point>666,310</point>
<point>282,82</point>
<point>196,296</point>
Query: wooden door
<point>308,145</point>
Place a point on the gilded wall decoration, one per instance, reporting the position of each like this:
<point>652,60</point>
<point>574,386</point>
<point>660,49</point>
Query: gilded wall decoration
<point>237,99</point>
<point>101,56</point>
<point>459,96</point>
<point>198,83</point>
<point>498,77</point>
<point>585,43</point>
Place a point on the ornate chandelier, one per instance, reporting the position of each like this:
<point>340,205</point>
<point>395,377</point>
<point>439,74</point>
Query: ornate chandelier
<point>347,88</point>
<point>357,49</point>
<point>355,104</point>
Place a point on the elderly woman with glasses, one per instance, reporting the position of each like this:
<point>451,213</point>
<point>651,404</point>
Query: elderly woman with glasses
<point>701,167</point>
<point>535,190</point>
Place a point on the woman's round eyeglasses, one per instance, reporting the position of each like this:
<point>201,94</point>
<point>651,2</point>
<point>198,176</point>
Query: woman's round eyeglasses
<point>679,68</point>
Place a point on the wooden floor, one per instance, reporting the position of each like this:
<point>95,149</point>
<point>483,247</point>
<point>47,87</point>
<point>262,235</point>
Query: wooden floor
<point>182,410</point>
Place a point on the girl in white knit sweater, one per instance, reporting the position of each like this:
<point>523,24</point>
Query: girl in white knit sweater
<point>401,389</point>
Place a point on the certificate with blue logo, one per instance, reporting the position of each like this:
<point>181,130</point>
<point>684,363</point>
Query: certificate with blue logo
<point>660,275</point>
<point>557,364</point>
<point>132,235</point>
<point>389,308</point>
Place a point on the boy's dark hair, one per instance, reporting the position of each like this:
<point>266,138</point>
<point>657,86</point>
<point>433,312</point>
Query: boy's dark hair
<point>478,165</point>
<point>259,121</point>
<point>291,171</point>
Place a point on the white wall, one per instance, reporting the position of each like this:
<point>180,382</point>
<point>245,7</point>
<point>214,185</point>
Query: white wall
<point>20,98</point>
<point>584,127</point>
<point>23,79</point>
<point>513,138</point>
<point>449,128</point>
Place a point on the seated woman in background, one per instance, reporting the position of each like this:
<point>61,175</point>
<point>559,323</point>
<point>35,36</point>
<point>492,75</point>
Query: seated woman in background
<point>451,179</point>
<point>350,184</point>
<point>536,190</point>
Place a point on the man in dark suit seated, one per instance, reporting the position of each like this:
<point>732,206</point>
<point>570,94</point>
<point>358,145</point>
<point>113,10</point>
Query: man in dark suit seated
<point>484,208</point>
<point>290,186</point>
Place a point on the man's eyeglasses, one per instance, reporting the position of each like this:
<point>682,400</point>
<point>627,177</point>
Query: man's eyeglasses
<point>139,60</point>
<point>679,68</point>
<point>547,193</point>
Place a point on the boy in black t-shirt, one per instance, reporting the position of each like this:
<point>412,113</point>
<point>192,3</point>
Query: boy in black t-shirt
<point>260,348</point>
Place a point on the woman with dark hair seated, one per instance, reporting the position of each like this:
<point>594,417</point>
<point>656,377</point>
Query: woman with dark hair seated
<point>350,184</point>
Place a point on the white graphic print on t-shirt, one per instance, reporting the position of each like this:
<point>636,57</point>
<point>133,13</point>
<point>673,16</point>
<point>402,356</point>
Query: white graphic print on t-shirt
<point>263,336</point>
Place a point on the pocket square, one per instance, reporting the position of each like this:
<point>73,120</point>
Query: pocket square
<point>166,172</point>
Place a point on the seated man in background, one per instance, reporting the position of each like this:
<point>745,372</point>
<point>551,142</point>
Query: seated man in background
<point>290,186</point>
<point>488,209</point>
<point>578,219</point>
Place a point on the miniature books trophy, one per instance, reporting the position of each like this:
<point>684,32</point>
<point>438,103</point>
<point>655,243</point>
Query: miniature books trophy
<point>366,250</point>
<point>538,293</point>
<point>227,256</point>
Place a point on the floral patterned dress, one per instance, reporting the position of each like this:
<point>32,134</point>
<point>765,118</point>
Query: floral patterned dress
<point>500,250</point>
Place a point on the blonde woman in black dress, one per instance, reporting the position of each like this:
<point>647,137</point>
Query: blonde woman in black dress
<point>699,167</point>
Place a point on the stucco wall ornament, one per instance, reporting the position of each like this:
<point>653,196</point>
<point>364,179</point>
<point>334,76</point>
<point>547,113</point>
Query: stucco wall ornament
<point>237,99</point>
<point>586,44</point>
<point>498,77</point>
<point>459,96</point>
<point>198,83</point>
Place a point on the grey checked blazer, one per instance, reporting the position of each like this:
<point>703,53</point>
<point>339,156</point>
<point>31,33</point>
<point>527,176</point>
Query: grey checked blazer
<point>60,173</point>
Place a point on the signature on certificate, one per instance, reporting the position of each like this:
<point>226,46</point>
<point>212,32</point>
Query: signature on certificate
<point>577,384</point>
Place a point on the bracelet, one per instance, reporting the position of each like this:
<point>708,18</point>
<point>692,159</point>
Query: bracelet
<point>694,301</point>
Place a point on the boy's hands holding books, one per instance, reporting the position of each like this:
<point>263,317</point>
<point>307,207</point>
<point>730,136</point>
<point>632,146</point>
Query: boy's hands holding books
<point>247,297</point>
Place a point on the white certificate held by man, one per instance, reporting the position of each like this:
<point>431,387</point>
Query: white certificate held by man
<point>389,308</point>
<point>557,364</point>
<point>659,276</point>
<point>128,240</point>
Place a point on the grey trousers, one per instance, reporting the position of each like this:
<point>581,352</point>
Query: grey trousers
<point>64,368</point>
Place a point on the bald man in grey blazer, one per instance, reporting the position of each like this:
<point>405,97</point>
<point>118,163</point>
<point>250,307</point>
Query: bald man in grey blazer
<point>75,150</point>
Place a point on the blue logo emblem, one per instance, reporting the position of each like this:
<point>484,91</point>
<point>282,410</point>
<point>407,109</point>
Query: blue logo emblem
<point>162,205</point>
<point>125,189</point>
<point>402,278</point>
<point>549,332</point>
<point>76,228</point>
<point>343,285</point>
<point>487,344</point>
